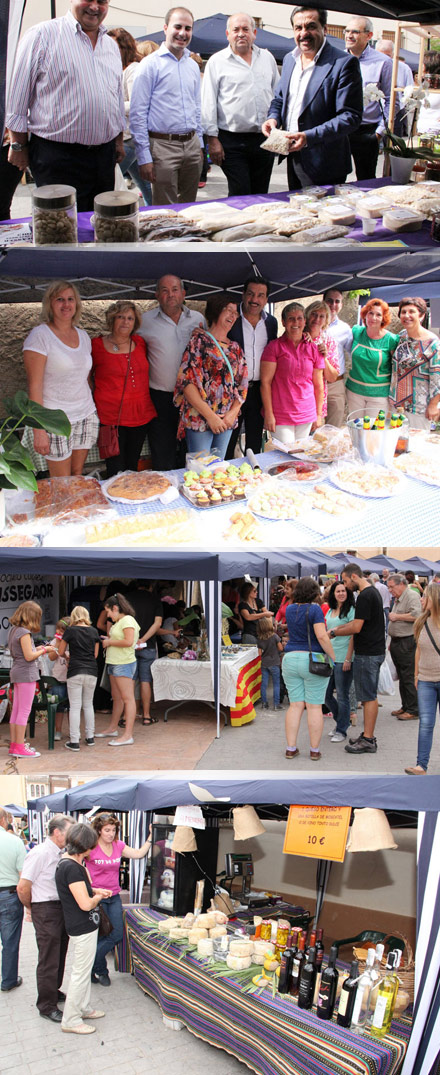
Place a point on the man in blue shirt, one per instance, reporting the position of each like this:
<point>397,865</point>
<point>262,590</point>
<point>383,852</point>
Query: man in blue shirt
<point>375,68</point>
<point>165,115</point>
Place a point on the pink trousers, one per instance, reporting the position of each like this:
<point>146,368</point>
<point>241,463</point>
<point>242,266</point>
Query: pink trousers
<point>22,703</point>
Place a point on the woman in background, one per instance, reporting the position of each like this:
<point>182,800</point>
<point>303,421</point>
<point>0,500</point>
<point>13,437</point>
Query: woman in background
<point>337,699</point>
<point>427,675</point>
<point>121,665</point>
<point>415,379</point>
<point>83,642</point>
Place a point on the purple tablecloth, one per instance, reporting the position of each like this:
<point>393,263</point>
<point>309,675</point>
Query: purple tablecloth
<point>412,239</point>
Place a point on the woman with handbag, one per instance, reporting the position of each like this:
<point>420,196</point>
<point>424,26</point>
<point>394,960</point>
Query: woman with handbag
<point>104,865</point>
<point>79,902</point>
<point>427,674</point>
<point>306,668</point>
<point>212,381</point>
<point>121,388</point>
<point>337,698</point>
<point>58,361</point>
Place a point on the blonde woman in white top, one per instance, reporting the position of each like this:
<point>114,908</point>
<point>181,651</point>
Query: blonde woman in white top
<point>58,360</point>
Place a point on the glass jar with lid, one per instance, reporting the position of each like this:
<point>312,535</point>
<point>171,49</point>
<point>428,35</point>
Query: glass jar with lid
<point>54,218</point>
<point>116,217</point>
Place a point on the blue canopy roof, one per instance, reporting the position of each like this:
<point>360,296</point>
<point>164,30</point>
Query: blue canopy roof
<point>209,36</point>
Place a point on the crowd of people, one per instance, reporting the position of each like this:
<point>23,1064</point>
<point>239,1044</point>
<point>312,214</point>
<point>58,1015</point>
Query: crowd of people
<point>83,99</point>
<point>348,628</point>
<point>69,887</point>
<point>191,381</point>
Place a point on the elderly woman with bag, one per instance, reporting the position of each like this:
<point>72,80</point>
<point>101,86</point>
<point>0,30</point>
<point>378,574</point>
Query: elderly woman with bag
<point>79,902</point>
<point>306,669</point>
<point>121,388</point>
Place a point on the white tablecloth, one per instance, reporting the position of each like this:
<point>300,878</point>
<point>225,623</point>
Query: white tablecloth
<point>178,681</point>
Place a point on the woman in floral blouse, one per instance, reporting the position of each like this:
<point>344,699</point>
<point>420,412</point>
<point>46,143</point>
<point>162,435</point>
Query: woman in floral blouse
<point>415,379</point>
<point>212,381</point>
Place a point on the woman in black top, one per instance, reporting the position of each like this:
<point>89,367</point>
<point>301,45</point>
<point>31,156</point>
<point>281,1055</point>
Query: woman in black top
<point>79,902</point>
<point>251,609</point>
<point>83,642</point>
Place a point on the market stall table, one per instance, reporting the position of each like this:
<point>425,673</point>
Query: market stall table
<point>380,234</point>
<point>185,681</point>
<point>269,1034</point>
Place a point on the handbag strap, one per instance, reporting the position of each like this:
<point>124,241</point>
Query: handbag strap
<point>308,631</point>
<point>220,348</point>
<point>125,384</point>
<point>431,639</point>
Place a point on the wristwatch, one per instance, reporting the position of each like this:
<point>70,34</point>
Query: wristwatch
<point>18,146</point>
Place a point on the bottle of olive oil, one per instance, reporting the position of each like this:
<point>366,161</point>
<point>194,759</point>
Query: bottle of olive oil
<point>386,997</point>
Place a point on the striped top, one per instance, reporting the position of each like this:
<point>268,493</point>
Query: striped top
<point>65,90</point>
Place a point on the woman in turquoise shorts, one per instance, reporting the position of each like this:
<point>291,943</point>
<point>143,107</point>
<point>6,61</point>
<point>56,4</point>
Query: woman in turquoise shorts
<point>303,687</point>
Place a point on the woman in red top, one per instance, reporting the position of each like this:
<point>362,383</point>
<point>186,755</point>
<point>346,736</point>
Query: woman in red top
<point>121,384</point>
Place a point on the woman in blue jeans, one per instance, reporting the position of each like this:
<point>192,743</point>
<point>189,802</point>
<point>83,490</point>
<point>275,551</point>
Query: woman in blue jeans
<point>104,863</point>
<point>427,674</point>
<point>337,698</point>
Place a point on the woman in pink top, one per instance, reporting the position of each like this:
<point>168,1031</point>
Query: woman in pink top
<point>292,382</point>
<point>103,864</point>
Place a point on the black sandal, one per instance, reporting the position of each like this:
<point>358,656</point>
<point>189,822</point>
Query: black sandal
<point>149,720</point>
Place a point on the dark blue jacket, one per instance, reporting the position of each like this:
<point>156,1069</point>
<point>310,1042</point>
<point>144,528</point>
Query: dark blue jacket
<point>331,110</point>
<point>270,322</point>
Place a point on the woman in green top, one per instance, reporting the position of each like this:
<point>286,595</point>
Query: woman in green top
<point>368,383</point>
<point>120,659</point>
<point>341,611</point>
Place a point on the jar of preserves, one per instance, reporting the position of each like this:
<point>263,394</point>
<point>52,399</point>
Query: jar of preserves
<point>116,217</point>
<point>283,929</point>
<point>54,218</point>
<point>266,929</point>
<point>432,173</point>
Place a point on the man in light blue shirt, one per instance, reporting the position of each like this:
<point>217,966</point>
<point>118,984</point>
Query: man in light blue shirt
<point>405,77</point>
<point>165,115</point>
<point>375,68</point>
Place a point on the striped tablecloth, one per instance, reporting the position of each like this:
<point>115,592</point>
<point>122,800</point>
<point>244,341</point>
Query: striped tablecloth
<point>271,1035</point>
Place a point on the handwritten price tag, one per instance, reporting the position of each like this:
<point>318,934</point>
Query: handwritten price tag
<point>317,832</point>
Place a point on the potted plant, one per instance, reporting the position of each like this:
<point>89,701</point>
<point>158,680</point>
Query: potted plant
<point>16,467</point>
<point>402,152</point>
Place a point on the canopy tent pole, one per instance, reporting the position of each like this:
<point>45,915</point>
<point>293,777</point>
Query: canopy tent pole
<point>212,603</point>
<point>423,1047</point>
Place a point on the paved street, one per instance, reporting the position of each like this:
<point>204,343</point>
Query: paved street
<point>131,1040</point>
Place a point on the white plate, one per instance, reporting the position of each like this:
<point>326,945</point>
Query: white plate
<point>349,486</point>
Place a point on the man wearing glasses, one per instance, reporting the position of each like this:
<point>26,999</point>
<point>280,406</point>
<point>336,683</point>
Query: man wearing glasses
<point>376,68</point>
<point>66,106</point>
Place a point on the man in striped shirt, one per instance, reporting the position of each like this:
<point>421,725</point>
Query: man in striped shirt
<point>66,106</point>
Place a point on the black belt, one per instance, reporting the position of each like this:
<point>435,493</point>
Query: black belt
<point>172,137</point>
<point>8,888</point>
<point>252,384</point>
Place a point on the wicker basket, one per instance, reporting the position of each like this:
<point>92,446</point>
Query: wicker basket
<point>407,966</point>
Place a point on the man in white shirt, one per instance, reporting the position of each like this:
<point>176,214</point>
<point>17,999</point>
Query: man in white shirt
<point>165,119</point>
<point>12,856</point>
<point>66,105</point>
<point>237,89</point>
<point>341,332</point>
<point>253,329</point>
<point>385,595</point>
<point>38,892</point>
<point>166,330</point>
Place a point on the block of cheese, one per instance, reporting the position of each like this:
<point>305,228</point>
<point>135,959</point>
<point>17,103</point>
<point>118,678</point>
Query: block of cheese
<point>400,218</point>
<point>167,924</point>
<point>220,917</point>
<point>238,962</point>
<point>177,934</point>
<point>218,931</point>
<point>208,920</point>
<point>241,948</point>
<point>196,934</point>
<point>263,948</point>
<point>205,947</point>
<point>333,211</point>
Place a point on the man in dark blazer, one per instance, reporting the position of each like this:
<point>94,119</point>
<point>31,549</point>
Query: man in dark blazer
<point>252,330</point>
<point>319,101</point>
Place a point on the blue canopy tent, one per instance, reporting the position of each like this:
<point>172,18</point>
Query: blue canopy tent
<point>209,36</point>
<point>166,791</point>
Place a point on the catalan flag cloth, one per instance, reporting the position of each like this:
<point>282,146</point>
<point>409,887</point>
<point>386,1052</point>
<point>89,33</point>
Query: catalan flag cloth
<point>248,692</point>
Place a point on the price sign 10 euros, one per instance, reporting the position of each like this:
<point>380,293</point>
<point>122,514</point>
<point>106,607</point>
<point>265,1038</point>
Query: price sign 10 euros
<point>317,832</point>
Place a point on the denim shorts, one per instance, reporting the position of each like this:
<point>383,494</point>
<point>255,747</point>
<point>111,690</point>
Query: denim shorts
<point>144,659</point>
<point>366,676</point>
<point>127,671</point>
<point>60,691</point>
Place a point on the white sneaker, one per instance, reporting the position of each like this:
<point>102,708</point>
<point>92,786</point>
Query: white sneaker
<point>332,731</point>
<point>337,737</point>
<point>57,736</point>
